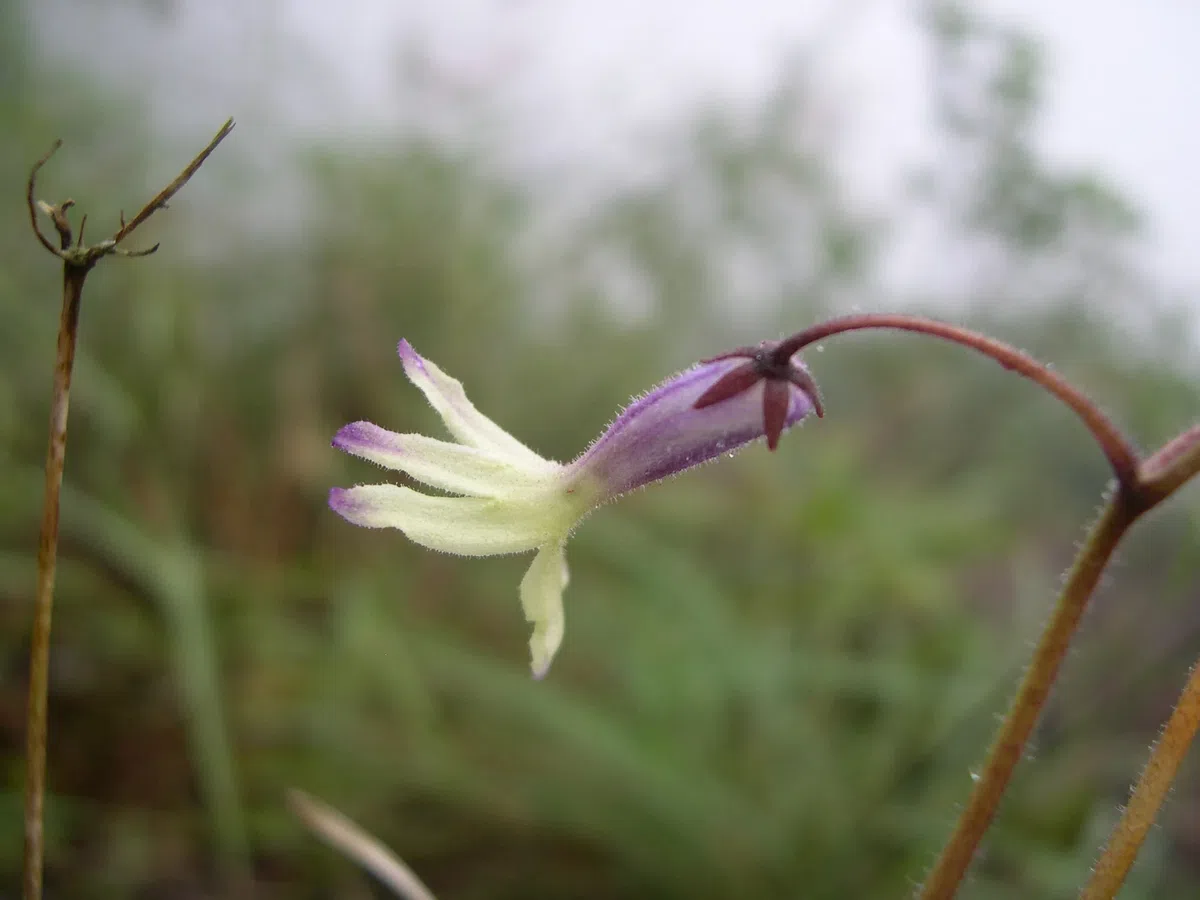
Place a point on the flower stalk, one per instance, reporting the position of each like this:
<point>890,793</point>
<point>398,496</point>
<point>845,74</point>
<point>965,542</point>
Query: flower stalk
<point>1141,485</point>
<point>1148,795</point>
<point>1008,746</point>
<point>1121,455</point>
<point>78,260</point>
<point>39,650</point>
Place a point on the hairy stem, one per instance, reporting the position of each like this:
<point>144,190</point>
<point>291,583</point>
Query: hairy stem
<point>1171,467</point>
<point>1121,456</point>
<point>1009,743</point>
<point>39,652</point>
<point>1148,795</point>
<point>1141,486</point>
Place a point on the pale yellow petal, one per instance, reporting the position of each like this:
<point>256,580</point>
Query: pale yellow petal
<point>468,526</point>
<point>456,468</point>
<point>465,422</point>
<point>541,598</point>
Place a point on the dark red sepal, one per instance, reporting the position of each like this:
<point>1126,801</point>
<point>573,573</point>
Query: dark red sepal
<point>729,385</point>
<point>777,397</point>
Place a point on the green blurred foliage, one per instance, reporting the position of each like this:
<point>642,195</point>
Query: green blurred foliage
<point>778,671</point>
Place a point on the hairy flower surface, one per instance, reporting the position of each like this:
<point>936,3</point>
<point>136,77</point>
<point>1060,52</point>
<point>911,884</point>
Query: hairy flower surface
<point>501,497</point>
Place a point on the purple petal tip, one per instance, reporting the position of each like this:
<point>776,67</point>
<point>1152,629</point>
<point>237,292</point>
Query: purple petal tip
<point>349,437</point>
<point>340,502</point>
<point>408,355</point>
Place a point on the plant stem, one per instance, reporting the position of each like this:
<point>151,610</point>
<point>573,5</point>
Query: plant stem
<point>1142,485</point>
<point>1148,795</point>
<point>39,653</point>
<point>1172,466</point>
<point>78,261</point>
<point>1009,743</point>
<point>1121,455</point>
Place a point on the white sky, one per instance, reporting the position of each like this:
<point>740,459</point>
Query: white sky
<point>583,76</point>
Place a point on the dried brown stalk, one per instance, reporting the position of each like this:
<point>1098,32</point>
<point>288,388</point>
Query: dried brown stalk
<point>78,260</point>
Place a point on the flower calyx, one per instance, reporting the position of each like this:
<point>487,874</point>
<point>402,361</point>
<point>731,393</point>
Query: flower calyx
<point>769,362</point>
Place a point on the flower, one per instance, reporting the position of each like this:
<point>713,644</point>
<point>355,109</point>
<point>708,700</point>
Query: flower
<point>501,497</point>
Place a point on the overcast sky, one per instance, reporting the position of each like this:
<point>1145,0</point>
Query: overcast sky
<point>587,74</point>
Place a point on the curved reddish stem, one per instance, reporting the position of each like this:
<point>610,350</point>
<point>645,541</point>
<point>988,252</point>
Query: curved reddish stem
<point>1121,455</point>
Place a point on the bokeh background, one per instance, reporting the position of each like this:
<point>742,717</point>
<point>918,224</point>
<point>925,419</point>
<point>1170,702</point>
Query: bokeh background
<point>779,670</point>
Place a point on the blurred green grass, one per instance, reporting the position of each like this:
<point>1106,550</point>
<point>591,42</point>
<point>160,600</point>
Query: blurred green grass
<point>778,670</point>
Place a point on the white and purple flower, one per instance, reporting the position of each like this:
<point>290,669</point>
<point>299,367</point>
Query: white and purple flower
<point>501,497</point>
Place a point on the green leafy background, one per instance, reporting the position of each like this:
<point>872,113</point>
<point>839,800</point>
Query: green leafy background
<point>779,670</point>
